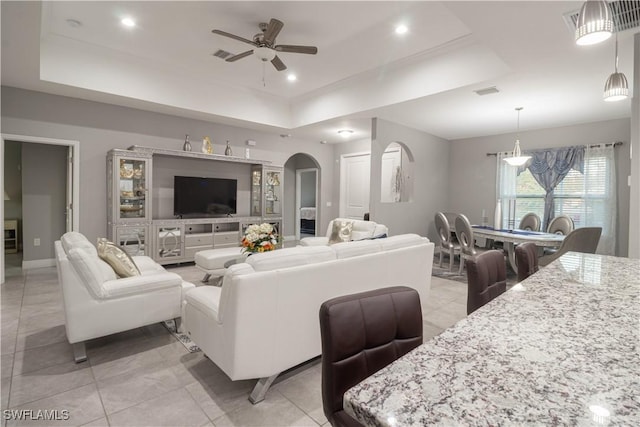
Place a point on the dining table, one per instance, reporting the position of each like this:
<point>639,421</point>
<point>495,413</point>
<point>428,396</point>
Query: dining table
<point>513,237</point>
<point>559,348</point>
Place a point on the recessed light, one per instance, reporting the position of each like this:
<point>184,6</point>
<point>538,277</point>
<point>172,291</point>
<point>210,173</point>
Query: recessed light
<point>324,141</point>
<point>292,77</point>
<point>74,23</point>
<point>402,29</point>
<point>285,135</point>
<point>345,133</point>
<point>128,22</point>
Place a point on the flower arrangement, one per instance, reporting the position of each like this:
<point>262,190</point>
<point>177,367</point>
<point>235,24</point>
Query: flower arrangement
<point>259,238</point>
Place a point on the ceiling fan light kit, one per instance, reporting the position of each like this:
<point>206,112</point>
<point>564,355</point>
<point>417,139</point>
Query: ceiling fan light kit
<point>595,23</point>
<point>517,159</point>
<point>264,45</point>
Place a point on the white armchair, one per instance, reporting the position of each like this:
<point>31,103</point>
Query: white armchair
<point>97,303</point>
<point>361,230</point>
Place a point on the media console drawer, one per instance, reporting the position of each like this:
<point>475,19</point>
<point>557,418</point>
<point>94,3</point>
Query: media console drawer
<point>204,239</point>
<point>225,238</point>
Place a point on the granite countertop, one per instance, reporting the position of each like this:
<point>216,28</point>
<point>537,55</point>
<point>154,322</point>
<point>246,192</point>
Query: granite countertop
<point>561,348</point>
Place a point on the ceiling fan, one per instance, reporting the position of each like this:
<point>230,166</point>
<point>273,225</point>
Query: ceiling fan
<point>264,44</point>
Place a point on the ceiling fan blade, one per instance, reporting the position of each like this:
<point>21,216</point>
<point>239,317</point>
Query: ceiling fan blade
<point>272,31</point>
<point>239,56</point>
<point>311,50</point>
<point>277,62</point>
<point>233,36</point>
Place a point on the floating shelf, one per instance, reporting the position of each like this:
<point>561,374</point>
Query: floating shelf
<point>196,155</point>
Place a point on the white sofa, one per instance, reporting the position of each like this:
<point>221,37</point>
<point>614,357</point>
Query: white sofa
<point>97,303</point>
<point>361,230</point>
<point>264,318</point>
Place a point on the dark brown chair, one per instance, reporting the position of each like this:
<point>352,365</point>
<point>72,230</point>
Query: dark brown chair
<point>361,334</point>
<point>526,260</point>
<point>486,278</point>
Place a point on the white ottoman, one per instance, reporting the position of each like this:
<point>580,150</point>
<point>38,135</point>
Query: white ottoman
<point>212,261</point>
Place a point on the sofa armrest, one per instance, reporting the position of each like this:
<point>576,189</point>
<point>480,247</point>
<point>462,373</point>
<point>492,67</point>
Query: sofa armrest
<point>380,230</point>
<point>141,284</point>
<point>314,241</point>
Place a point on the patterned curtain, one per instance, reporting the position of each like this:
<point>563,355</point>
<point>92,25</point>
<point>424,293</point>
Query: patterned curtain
<point>549,167</point>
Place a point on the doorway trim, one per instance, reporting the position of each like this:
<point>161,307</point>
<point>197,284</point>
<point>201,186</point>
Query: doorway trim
<point>299,172</point>
<point>74,185</point>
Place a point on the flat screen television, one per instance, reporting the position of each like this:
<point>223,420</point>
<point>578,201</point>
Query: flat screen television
<point>204,197</point>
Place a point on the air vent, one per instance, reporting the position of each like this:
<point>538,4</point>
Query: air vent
<point>625,13</point>
<point>222,54</point>
<point>487,91</point>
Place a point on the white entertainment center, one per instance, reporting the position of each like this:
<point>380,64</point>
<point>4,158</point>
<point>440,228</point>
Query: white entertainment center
<point>140,201</point>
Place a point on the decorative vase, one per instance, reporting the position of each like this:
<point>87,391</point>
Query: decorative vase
<point>187,145</point>
<point>227,151</point>
<point>497,220</point>
<point>207,148</point>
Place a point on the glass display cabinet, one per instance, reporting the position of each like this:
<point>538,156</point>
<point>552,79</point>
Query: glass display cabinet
<point>128,199</point>
<point>131,238</point>
<point>266,191</point>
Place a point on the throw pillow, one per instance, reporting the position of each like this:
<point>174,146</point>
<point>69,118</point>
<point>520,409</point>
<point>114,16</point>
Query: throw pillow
<point>117,258</point>
<point>340,231</point>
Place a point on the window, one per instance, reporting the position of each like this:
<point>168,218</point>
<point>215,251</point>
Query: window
<point>588,198</point>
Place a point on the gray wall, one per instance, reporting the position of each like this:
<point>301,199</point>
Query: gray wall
<point>44,187</point>
<point>472,174</point>
<point>308,189</point>
<point>101,127</point>
<point>431,186</point>
<point>13,183</point>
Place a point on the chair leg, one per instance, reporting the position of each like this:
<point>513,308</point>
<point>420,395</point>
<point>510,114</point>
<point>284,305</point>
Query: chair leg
<point>79,352</point>
<point>461,264</point>
<point>178,322</point>
<point>452,257</point>
<point>440,264</point>
<point>260,390</point>
<point>206,277</point>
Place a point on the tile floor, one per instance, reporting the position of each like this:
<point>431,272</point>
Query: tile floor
<point>144,377</point>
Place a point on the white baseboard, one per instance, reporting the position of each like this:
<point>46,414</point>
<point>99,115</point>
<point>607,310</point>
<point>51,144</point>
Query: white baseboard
<point>289,238</point>
<point>38,263</point>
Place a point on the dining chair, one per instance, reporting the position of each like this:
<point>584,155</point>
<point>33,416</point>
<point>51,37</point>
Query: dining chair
<point>526,260</point>
<point>446,242</point>
<point>561,224</point>
<point>486,278</point>
<point>530,222</point>
<point>464,233</point>
<point>361,334</point>
<point>451,219</point>
<point>583,239</point>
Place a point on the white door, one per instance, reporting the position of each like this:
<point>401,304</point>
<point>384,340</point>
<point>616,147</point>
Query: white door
<point>391,161</point>
<point>354,185</point>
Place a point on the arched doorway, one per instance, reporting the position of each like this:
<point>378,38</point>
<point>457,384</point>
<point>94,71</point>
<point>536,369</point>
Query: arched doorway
<point>301,197</point>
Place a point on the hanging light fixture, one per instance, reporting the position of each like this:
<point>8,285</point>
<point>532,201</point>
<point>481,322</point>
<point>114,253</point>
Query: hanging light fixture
<point>616,88</point>
<point>594,23</point>
<point>517,159</point>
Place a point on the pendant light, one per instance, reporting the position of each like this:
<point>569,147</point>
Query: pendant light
<point>616,88</point>
<point>517,159</point>
<point>594,24</point>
